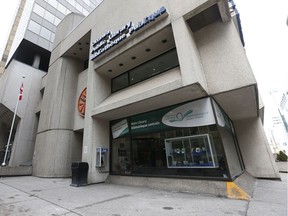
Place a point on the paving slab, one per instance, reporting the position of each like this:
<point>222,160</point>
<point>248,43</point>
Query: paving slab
<point>54,196</point>
<point>161,203</point>
<point>258,208</point>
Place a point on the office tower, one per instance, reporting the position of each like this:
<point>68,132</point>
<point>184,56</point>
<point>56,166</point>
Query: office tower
<point>32,35</point>
<point>278,129</point>
<point>27,54</point>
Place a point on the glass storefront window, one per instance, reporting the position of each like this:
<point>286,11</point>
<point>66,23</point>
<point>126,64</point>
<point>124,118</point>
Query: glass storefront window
<point>150,156</point>
<point>191,152</point>
<point>185,140</point>
<point>121,161</point>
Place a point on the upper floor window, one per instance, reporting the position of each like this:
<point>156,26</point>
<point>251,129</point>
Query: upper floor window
<point>151,68</point>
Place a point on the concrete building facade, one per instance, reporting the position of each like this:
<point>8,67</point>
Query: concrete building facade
<point>160,92</point>
<point>168,90</point>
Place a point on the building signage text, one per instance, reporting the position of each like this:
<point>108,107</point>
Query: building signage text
<point>110,39</point>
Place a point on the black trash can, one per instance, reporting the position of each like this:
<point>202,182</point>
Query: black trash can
<point>79,173</point>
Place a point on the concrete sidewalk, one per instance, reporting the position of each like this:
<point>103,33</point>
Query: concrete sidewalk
<point>42,196</point>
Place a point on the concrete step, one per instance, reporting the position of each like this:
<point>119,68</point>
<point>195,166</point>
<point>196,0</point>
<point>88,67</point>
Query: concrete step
<point>16,171</point>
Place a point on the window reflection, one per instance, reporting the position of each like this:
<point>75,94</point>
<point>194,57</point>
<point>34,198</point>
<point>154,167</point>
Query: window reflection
<point>39,10</point>
<point>49,16</point>
<point>34,27</point>
<point>148,69</point>
<point>148,155</point>
<point>45,33</point>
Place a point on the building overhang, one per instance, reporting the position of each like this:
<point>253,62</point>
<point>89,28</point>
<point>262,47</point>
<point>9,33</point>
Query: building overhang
<point>240,103</point>
<point>111,108</point>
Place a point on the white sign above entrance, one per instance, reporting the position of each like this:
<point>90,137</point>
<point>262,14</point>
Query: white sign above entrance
<point>193,114</point>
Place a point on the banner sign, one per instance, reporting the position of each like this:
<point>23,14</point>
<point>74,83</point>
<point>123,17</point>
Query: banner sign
<point>193,114</point>
<point>148,122</point>
<point>119,129</point>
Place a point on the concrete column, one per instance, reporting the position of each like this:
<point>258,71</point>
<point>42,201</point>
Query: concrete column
<point>188,55</point>
<point>96,133</point>
<point>255,150</point>
<point>56,142</point>
<point>36,61</point>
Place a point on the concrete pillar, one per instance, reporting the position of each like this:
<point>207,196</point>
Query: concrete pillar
<point>188,54</point>
<point>56,142</point>
<point>96,133</point>
<point>255,150</point>
<point>36,61</point>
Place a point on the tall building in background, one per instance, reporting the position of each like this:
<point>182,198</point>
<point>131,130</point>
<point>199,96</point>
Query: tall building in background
<point>278,128</point>
<point>27,54</point>
<point>11,36</point>
<point>33,32</point>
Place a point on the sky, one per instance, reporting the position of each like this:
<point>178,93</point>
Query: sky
<point>8,11</point>
<point>265,35</point>
<point>266,44</point>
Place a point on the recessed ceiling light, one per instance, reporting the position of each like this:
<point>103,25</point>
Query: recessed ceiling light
<point>79,43</point>
<point>120,64</point>
<point>74,53</point>
<point>133,57</point>
<point>87,43</point>
<point>109,70</point>
<point>148,50</point>
<point>164,41</point>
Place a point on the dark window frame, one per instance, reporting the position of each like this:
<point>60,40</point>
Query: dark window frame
<point>147,62</point>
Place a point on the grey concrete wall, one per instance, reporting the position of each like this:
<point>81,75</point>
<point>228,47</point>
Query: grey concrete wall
<point>55,151</point>
<point>56,141</point>
<point>96,20</point>
<point>23,145</point>
<point>223,57</point>
<point>66,26</point>
<point>188,55</point>
<point>255,150</point>
<point>217,188</point>
<point>96,133</point>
